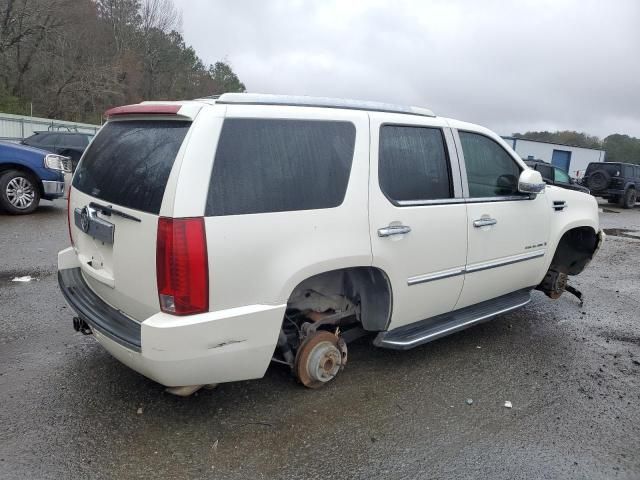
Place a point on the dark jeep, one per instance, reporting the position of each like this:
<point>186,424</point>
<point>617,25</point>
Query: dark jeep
<point>617,182</point>
<point>553,175</point>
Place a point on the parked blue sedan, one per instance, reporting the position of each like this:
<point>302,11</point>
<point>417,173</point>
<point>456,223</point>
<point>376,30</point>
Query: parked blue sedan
<point>29,174</point>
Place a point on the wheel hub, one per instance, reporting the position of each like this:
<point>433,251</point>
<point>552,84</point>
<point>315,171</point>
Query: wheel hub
<point>320,358</point>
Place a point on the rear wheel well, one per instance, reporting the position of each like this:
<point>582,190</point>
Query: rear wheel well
<point>324,313</point>
<point>367,290</point>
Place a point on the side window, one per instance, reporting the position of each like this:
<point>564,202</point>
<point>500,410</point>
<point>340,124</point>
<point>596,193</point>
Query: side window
<point>637,172</point>
<point>491,172</point>
<point>628,171</point>
<point>546,171</point>
<point>413,163</point>
<point>561,176</point>
<point>273,165</point>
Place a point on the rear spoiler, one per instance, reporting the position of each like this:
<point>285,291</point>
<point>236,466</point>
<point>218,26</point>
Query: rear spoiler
<point>188,111</point>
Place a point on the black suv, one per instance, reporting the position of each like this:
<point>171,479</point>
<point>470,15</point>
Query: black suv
<point>553,175</point>
<point>617,182</point>
<point>68,144</point>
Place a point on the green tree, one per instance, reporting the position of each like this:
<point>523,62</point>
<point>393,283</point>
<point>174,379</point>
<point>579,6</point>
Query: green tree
<point>225,79</point>
<point>622,148</point>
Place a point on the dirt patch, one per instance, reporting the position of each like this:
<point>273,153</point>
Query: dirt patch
<point>622,232</point>
<point>620,337</point>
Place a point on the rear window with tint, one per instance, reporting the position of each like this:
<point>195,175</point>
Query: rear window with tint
<point>74,140</point>
<point>413,163</point>
<point>274,165</point>
<point>129,162</point>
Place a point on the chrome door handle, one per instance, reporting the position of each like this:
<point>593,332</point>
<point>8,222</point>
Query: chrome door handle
<point>484,222</point>
<point>393,230</point>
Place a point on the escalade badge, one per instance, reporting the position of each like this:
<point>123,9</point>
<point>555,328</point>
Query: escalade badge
<point>84,219</point>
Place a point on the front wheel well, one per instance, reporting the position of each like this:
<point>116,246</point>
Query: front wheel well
<point>574,251</point>
<point>5,167</point>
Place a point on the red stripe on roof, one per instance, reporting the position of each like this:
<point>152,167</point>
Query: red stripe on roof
<point>143,110</point>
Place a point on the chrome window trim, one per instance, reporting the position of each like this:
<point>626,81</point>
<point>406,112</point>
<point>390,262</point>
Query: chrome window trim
<point>506,198</point>
<point>420,203</point>
<point>478,267</point>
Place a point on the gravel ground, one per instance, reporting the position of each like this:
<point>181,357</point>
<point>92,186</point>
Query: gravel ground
<point>572,373</point>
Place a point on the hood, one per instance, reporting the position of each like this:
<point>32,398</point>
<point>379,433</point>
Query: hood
<point>6,148</point>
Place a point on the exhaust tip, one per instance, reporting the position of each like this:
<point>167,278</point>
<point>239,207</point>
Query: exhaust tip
<point>81,326</point>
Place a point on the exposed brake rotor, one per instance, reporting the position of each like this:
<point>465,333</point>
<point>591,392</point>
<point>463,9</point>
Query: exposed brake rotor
<point>319,358</point>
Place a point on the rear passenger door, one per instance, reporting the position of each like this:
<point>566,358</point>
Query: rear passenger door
<point>417,215</point>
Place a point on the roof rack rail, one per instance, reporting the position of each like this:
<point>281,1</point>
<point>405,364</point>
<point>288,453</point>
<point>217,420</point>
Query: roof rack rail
<point>325,102</point>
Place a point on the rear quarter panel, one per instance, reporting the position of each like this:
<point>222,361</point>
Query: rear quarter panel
<point>260,258</point>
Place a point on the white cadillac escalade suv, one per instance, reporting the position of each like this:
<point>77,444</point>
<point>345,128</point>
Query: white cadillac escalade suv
<point>212,237</point>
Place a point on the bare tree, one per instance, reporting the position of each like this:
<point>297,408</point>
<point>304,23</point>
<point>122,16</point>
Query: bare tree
<point>161,15</point>
<point>72,59</point>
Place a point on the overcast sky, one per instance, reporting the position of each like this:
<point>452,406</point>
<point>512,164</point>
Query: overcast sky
<point>511,66</point>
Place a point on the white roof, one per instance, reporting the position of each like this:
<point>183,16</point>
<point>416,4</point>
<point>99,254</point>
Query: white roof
<point>325,102</point>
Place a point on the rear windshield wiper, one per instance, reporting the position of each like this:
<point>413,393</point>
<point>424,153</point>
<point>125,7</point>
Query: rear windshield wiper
<point>109,210</point>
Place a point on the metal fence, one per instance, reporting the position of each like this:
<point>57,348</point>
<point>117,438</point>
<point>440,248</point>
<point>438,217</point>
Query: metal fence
<point>17,127</point>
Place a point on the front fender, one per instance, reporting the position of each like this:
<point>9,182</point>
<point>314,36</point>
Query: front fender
<point>581,210</point>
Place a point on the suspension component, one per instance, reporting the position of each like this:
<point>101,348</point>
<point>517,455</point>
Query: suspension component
<point>553,284</point>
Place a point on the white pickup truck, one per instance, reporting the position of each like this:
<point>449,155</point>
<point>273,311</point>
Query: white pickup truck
<point>212,237</point>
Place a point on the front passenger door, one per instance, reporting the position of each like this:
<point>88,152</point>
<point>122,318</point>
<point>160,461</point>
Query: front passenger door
<point>507,231</point>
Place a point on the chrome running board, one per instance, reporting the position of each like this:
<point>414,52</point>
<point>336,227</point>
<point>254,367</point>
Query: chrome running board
<point>424,331</point>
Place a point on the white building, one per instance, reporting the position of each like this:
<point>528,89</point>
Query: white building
<point>18,127</point>
<point>573,160</point>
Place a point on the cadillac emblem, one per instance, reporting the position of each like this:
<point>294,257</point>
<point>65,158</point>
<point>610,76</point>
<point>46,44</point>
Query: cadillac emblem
<point>84,219</point>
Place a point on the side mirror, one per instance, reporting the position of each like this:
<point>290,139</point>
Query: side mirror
<point>530,181</point>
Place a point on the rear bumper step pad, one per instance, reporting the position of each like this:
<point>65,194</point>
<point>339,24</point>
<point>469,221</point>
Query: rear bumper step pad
<point>96,312</point>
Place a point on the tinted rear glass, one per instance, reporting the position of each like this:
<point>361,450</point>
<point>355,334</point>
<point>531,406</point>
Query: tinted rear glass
<point>129,162</point>
<point>36,139</point>
<point>273,165</point>
<point>74,140</point>
<point>413,163</point>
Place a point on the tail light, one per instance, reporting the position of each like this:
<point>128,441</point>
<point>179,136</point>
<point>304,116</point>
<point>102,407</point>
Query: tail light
<point>182,266</point>
<point>69,215</point>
